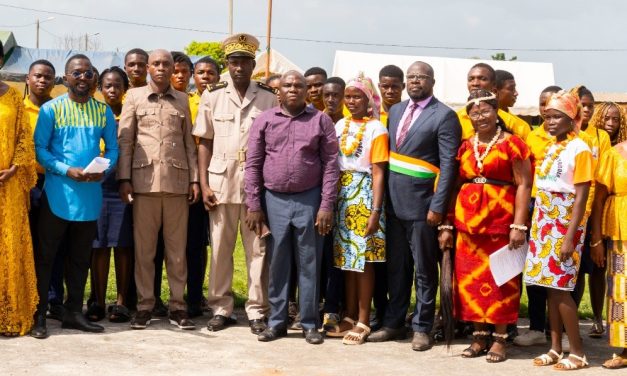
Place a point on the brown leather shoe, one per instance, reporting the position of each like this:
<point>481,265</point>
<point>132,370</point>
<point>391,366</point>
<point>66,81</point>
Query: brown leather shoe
<point>388,334</point>
<point>421,342</point>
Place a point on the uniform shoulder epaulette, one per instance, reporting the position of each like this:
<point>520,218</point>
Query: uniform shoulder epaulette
<point>219,85</point>
<point>266,87</point>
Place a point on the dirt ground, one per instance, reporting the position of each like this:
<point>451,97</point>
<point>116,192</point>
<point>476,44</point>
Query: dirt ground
<point>163,349</point>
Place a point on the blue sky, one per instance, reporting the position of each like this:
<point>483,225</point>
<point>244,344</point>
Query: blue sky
<point>521,25</point>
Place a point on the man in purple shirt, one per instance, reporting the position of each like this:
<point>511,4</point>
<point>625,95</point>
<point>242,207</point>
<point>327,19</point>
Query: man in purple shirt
<point>291,179</point>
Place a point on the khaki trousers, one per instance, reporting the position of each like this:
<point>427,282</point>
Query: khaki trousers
<point>151,211</point>
<point>223,225</point>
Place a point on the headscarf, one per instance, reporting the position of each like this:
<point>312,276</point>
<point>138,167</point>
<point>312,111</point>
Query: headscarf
<point>566,103</point>
<point>367,87</point>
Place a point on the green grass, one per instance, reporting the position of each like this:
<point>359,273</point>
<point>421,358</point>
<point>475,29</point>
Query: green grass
<point>239,286</point>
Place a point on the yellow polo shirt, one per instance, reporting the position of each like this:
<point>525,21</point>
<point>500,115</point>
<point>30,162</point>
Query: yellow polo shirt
<point>32,111</point>
<point>194,102</point>
<point>513,123</point>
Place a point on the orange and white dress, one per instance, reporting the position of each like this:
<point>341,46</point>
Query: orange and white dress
<point>351,248</point>
<point>552,214</point>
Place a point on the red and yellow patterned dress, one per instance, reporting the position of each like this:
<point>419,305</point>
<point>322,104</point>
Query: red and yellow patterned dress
<point>483,213</point>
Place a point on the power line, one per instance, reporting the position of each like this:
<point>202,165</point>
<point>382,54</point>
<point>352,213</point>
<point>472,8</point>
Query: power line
<point>309,40</point>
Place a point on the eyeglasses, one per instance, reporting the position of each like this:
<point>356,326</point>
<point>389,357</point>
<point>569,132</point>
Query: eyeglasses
<point>478,115</point>
<point>88,74</point>
<point>418,77</point>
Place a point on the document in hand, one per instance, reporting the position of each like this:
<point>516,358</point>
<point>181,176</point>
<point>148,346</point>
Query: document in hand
<point>97,165</point>
<point>506,263</point>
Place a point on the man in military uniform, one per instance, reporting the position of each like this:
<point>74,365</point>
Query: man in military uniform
<point>226,112</point>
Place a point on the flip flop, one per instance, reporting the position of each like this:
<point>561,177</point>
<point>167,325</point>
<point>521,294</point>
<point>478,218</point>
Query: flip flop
<point>95,312</point>
<point>596,331</point>
<point>616,362</point>
<point>119,313</point>
<point>340,334</point>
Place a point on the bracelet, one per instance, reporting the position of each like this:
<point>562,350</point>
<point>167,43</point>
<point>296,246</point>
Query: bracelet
<point>518,227</point>
<point>445,227</point>
<point>377,210</point>
<point>592,245</point>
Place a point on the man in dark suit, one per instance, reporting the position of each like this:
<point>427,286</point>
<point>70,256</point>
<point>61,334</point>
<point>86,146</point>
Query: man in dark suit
<point>424,137</point>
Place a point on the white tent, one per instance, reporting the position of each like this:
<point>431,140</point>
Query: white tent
<point>450,75</point>
<point>279,64</point>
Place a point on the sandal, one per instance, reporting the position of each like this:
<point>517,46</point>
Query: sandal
<point>568,365</point>
<point>95,312</point>
<point>119,313</point>
<point>336,333</point>
<point>547,359</point>
<point>596,331</point>
<point>477,337</point>
<point>357,338</point>
<point>616,362</point>
<point>494,357</point>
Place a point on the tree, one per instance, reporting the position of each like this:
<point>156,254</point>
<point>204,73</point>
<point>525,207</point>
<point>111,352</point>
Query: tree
<point>213,49</point>
<point>501,57</point>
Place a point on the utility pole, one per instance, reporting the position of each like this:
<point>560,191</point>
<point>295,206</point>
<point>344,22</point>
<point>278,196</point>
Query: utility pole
<point>86,41</point>
<point>230,17</point>
<point>37,29</point>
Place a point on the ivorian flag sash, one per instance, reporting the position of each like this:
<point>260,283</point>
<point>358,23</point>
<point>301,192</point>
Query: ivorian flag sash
<point>415,167</point>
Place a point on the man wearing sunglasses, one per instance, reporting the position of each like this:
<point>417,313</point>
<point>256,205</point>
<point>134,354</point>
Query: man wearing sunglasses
<point>67,139</point>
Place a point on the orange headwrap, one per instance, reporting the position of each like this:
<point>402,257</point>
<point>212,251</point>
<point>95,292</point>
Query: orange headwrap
<point>567,103</point>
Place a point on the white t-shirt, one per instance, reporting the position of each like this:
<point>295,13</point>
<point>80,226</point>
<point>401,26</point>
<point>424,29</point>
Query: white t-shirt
<point>374,147</point>
<point>575,164</point>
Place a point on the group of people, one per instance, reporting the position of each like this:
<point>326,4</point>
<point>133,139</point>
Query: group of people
<point>343,194</point>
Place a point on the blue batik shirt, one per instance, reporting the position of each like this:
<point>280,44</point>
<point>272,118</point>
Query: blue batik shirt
<point>67,135</point>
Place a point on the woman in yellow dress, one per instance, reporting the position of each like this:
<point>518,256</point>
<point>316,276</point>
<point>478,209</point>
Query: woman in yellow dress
<point>18,293</point>
<point>608,220</point>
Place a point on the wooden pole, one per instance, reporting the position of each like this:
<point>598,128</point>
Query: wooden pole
<point>37,44</point>
<point>268,50</point>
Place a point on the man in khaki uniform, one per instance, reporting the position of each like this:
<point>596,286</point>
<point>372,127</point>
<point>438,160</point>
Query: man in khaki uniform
<point>226,112</point>
<point>158,173</point>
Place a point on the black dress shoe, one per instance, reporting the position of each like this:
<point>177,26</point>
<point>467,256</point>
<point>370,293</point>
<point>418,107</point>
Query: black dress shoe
<point>257,325</point>
<point>388,334</point>
<point>313,336</point>
<point>55,312</point>
<point>270,334</point>
<point>219,322</point>
<point>39,331</point>
<point>76,320</point>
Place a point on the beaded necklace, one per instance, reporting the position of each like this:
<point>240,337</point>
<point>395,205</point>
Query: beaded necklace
<point>475,146</point>
<point>348,151</point>
<point>543,172</point>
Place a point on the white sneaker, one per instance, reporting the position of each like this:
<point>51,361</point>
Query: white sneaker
<point>530,338</point>
<point>565,343</point>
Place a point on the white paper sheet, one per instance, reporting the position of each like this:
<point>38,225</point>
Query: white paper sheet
<point>506,263</point>
<point>97,165</point>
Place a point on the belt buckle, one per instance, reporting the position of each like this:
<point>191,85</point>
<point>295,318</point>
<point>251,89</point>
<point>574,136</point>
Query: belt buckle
<point>241,156</point>
<point>480,180</point>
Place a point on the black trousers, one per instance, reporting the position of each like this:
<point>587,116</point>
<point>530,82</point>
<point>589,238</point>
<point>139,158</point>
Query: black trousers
<point>79,238</point>
<point>412,256</point>
<point>197,241</point>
